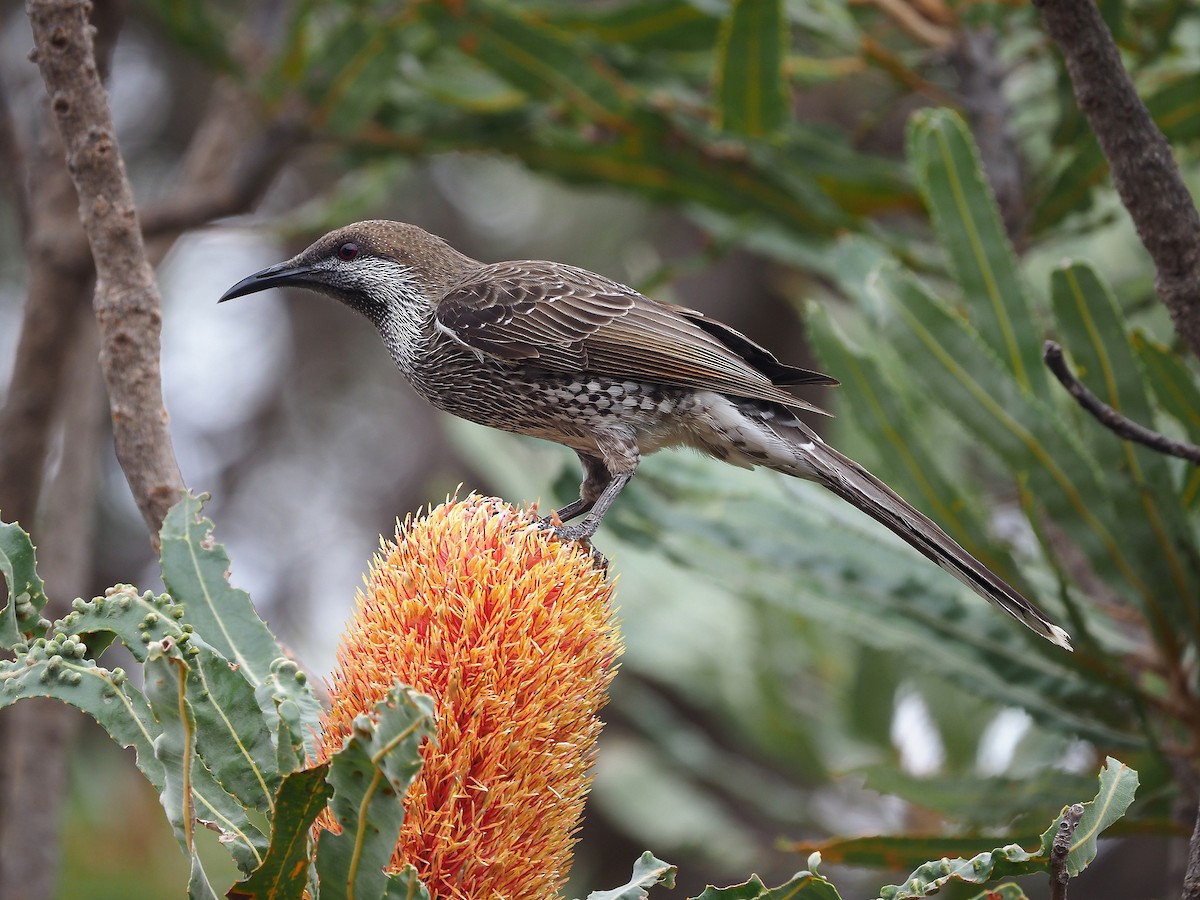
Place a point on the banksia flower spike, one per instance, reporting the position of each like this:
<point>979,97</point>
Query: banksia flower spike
<point>511,632</point>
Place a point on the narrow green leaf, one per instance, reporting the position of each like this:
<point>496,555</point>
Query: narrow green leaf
<point>284,870</point>
<point>1118,785</point>
<point>19,619</point>
<point>370,775</point>
<point>801,886</point>
<point>880,412</point>
<point>981,801</point>
<point>649,25</point>
<point>752,95</point>
<point>647,872</point>
<point>1175,108</point>
<point>964,377</point>
<point>166,676</point>
<point>951,178</point>
<point>1175,388</point>
<point>1141,482</point>
<point>534,55</point>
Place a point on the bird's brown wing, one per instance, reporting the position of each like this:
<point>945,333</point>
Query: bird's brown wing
<point>566,319</point>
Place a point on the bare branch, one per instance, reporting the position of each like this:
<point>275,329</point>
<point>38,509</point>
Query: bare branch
<point>1059,876</point>
<point>1191,877</point>
<point>1109,417</point>
<point>232,160</point>
<point>126,300</point>
<point>1143,169</point>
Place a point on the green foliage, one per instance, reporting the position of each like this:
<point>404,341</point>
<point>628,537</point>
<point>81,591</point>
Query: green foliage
<point>20,619</point>
<point>647,872</point>
<point>221,726</point>
<point>752,91</point>
<point>369,778</point>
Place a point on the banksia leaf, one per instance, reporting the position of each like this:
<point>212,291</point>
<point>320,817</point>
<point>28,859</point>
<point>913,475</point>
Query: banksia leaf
<point>510,631</point>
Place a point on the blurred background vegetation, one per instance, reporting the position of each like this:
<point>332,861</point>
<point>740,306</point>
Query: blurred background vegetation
<point>903,194</point>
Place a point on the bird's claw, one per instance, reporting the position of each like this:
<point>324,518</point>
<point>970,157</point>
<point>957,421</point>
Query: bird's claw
<point>580,533</point>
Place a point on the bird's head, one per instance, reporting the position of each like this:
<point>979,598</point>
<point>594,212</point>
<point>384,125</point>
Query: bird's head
<point>378,268</point>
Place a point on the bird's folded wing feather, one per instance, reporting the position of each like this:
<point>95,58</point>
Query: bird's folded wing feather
<point>565,319</point>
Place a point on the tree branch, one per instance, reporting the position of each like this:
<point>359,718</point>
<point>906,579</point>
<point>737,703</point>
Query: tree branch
<point>1143,169</point>
<point>1059,876</point>
<point>126,300</point>
<point>1109,417</point>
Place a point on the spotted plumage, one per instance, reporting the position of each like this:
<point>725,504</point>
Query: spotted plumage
<point>560,353</point>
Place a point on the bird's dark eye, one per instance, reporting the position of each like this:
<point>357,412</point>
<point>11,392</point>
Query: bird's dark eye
<point>348,251</point>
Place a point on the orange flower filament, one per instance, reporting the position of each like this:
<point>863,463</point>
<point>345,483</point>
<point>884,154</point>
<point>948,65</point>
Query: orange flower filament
<point>511,632</point>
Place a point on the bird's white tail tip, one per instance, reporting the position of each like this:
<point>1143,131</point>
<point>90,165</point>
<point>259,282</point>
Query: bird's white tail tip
<point>1058,636</point>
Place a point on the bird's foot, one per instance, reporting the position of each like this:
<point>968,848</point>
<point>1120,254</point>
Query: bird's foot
<point>579,533</point>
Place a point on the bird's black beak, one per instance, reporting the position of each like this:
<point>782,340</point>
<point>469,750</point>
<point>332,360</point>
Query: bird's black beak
<point>281,275</point>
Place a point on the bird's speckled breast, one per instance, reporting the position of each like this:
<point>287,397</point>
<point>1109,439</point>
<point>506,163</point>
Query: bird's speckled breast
<point>565,407</point>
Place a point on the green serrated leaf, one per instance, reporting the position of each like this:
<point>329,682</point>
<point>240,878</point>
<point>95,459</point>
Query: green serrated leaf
<point>801,886</point>
<point>370,775</point>
<point>231,738</point>
<point>930,878</point>
<point>405,885</point>
<point>196,572</point>
<point>286,691</point>
<point>951,178</point>
<point>752,96</point>
<point>1118,785</point>
<point>175,748</point>
<point>283,873</point>
<point>19,619</point>
<point>118,707</point>
<point>903,851</point>
<point>647,872</point>
<point>1008,891</point>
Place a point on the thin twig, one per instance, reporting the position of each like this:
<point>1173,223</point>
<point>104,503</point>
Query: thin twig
<point>1059,876</point>
<point>1108,417</point>
<point>1143,169</point>
<point>126,302</point>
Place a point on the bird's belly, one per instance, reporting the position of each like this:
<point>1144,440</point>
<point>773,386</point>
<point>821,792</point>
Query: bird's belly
<point>565,408</point>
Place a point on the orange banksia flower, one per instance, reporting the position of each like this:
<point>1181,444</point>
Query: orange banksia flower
<point>511,632</point>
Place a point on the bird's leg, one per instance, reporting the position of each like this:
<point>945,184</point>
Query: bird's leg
<point>596,478</point>
<point>585,529</point>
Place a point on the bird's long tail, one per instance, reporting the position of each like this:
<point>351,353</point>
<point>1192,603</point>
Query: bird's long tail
<point>811,458</point>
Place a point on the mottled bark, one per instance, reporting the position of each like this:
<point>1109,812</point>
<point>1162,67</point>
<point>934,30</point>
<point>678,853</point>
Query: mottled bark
<point>1143,169</point>
<point>126,300</point>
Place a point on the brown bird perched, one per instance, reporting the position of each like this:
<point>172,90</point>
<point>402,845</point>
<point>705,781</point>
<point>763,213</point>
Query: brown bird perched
<point>560,353</point>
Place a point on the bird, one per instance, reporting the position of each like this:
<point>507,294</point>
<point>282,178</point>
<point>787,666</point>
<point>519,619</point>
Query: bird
<point>560,353</point>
